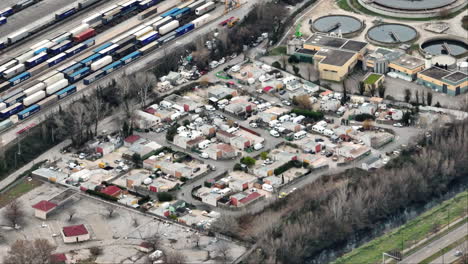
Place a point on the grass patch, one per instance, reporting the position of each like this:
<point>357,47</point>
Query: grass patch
<point>371,79</point>
<point>280,50</point>
<point>343,4</point>
<point>18,190</point>
<point>444,250</point>
<point>410,233</point>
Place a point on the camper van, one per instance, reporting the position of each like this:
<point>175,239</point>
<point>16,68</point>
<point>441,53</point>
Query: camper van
<point>299,135</point>
<point>273,123</point>
<point>284,118</point>
<point>328,132</point>
<point>298,119</point>
<point>318,129</point>
<point>204,144</point>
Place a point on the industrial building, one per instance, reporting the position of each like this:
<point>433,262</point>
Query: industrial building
<point>446,81</point>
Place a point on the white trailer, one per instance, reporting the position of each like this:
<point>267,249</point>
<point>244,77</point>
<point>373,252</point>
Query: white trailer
<point>201,20</point>
<point>25,56</point>
<point>35,88</point>
<point>169,27</point>
<point>13,71</point>
<point>34,98</point>
<point>101,63</point>
<point>57,86</point>
<point>53,79</point>
<point>205,8</point>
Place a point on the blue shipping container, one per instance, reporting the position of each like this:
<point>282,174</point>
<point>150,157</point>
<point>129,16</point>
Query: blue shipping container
<point>5,113</point>
<point>29,111</point>
<point>6,12</point>
<point>75,50</point>
<point>91,59</point>
<point>19,78</point>
<point>78,75</point>
<point>65,14</point>
<point>88,43</point>
<point>40,50</point>
<point>131,57</point>
<point>147,4</point>
<point>72,69</point>
<point>3,20</point>
<point>66,92</point>
<point>94,77</point>
<point>57,59</point>
<point>180,13</point>
<point>184,29</point>
<point>61,47</point>
<point>149,39</point>
<point>112,67</point>
<point>103,46</point>
<point>37,60</point>
<point>170,12</point>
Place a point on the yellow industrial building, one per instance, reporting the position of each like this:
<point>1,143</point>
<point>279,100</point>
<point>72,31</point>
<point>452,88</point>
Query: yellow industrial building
<point>445,81</point>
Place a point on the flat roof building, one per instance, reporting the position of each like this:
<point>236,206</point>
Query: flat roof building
<point>445,81</point>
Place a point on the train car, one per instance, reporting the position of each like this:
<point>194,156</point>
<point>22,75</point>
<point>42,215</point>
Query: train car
<point>2,105</point>
<point>91,59</point>
<point>29,111</point>
<point>112,67</point>
<point>11,110</point>
<point>37,52</point>
<point>162,23</point>
<point>148,38</point>
<point>88,43</point>
<point>169,27</point>
<point>101,63</point>
<point>200,21</point>
<point>19,78</point>
<point>5,124</point>
<point>93,20</point>
<point>40,58</point>
<point>8,65</point>
<point>66,92</point>
<point>148,48</point>
<point>25,56</point>
<point>109,50</point>
<point>129,6</point>
<point>13,71</point>
<point>79,29</point>
<point>142,32</point>
<point>126,41</point>
<point>57,59</point>
<point>6,12</point>
<point>17,36</point>
<point>87,34</point>
<point>152,21</point>
<point>205,8</point>
<point>182,12</point>
<point>184,29</point>
<point>75,50</point>
<point>165,39</point>
<point>75,67</point>
<point>85,3</point>
<point>145,4</point>
<point>52,77</point>
<point>80,74</point>
<point>148,13</point>
<point>62,37</point>
<point>10,94</point>
<point>34,98</point>
<point>103,46</point>
<point>48,101</point>
<point>61,47</point>
<point>3,20</point>
<point>17,98</point>
<point>124,51</point>
<point>3,43</point>
<point>170,12</point>
<point>131,57</point>
<point>4,86</point>
<point>94,77</point>
<point>42,44</point>
<point>64,13</point>
<point>35,88</point>
<point>111,15</point>
<point>57,86</point>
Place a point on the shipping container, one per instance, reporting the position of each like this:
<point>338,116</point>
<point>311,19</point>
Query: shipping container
<point>88,43</point>
<point>38,69</point>
<point>85,3</point>
<point>150,47</point>
<point>162,22</point>
<point>147,4</point>
<point>131,57</point>
<point>129,4</point>
<point>93,20</point>
<point>19,78</point>
<point>4,86</point>
<point>62,37</point>
<point>13,71</point>
<point>126,41</point>
<point>75,67</point>
<point>197,4</point>
<point>57,86</point>
<point>42,44</point>
<point>17,98</point>
<point>25,56</point>
<point>152,21</point>
<point>8,65</point>
<point>3,20</point>
<point>47,101</point>
<point>11,110</point>
<point>64,13</point>
<point>79,29</point>
<point>5,96</point>
<point>205,8</point>
<point>148,38</point>
<point>109,16</point>
<point>38,51</point>
<point>112,67</point>
<point>184,29</point>
<point>35,88</point>
<point>34,98</point>
<point>182,12</point>
<point>102,47</point>
<point>17,36</point>
<point>6,12</point>
<point>89,33</point>
<point>170,12</point>
<point>109,50</point>
<point>29,111</point>
<point>54,79</point>
<point>5,124</point>
<point>80,74</point>
<point>124,51</point>
<point>48,75</point>
<point>40,58</point>
<point>169,27</point>
<point>66,92</point>
<point>91,59</point>
<point>132,31</point>
<point>201,20</point>
<point>75,50</point>
<point>148,13</point>
<point>94,77</point>
<point>3,106</point>
<point>143,32</point>
<point>61,47</point>
<point>57,59</point>
<point>101,63</point>
<point>167,38</point>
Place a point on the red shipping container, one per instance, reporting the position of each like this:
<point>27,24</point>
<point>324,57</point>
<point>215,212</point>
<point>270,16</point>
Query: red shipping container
<point>89,33</point>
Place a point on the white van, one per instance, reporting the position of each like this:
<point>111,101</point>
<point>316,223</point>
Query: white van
<point>267,187</point>
<point>299,135</point>
<point>328,132</point>
<point>258,146</point>
<point>298,119</point>
<point>273,123</point>
<point>232,130</point>
<point>284,118</point>
<point>204,144</point>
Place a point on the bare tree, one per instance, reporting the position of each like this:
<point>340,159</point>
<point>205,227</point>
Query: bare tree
<point>174,257</point>
<point>97,106</point>
<point>223,250</point>
<point>310,71</point>
<point>145,82</point>
<point>29,252</point>
<point>407,95</point>
<point>303,101</point>
<point>110,211</point>
<point>196,239</point>
<point>71,212</point>
<point>155,240</point>
<point>14,213</point>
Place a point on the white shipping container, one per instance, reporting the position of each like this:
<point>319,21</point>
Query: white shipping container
<point>57,86</point>
<point>142,32</point>
<point>79,29</point>
<point>106,50</point>
<point>133,31</point>
<point>169,27</point>
<point>201,20</point>
<point>109,8</point>
<point>34,98</point>
<point>92,19</point>
<point>101,63</point>
<point>25,56</point>
<point>57,77</point>
<point>205,8</point>
<point>34,89</point>
<point>13,71</point>
<point>2,106</point>
<point>8,65</point>
<point>152,21</point>
<point>18,35</point>
<point>161,22</point>
<point>42,44</point>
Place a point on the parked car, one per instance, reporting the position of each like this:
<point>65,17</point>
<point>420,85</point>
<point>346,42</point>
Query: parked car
<point>254,125</point>
<point>204,155</point>
<point>397,125</point>
<point>282,92</point>
<point>274,133</point>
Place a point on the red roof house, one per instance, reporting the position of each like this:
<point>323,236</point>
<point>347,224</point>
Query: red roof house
<point>112,190</point>
<point>251,197</point>
<point>42,208</point>
<point>75,233</point>
<point>131,139</point>
<point>267,89</point>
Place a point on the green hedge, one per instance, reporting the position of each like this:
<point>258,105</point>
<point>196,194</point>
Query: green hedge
<point>164,196</point>
<point>363,117</point>
<point>307,113</point>
<point>288,165</point>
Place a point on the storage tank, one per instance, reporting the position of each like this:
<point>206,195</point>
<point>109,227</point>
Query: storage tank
<point>36,97</point>
<point>101,63</point>
<point>169,27</point>
<point>57,86</point>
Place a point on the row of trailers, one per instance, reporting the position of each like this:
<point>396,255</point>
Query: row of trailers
<point>9,11</point>
<point>108,57</point>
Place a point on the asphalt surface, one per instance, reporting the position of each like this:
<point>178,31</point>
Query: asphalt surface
<point>438,245</point>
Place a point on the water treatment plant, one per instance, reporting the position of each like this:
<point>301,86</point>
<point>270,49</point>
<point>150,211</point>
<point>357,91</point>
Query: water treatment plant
<point>391,34</point>
<point>338,24</point>
<point>413,8</point>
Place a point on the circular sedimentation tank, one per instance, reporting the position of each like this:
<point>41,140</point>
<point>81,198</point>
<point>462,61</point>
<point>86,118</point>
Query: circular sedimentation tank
<point>337,24</point>
<point>452,46</point>
<point>392,34</point>
<point>414,5</point>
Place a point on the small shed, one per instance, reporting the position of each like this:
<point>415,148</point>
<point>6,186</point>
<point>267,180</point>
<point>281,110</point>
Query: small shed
<point>75,233</point>
<point>42,208</point>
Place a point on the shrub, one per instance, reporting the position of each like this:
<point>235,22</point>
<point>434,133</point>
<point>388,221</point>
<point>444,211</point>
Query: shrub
<point>363,117</point>
<point>249,161</point>
<point>316,116</point>
<point>276,64</point>
<point>164,196</point>
<point>95,251</point>
<point>288,165</point>
<point>237,167</point>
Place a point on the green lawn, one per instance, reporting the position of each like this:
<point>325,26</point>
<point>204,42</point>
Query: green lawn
<point>372,78</point>
<point>21,188</point>
<point>343,4</point>
<point>410,233</point>
<point>280,50</point>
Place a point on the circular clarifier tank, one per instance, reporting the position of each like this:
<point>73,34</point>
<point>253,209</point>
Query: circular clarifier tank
<point>337,24</point>
<point>414,4</point>
<point>392,34</point>
<point>445,46</point>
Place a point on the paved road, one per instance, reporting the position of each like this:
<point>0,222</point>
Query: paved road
<point>437,245</point>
